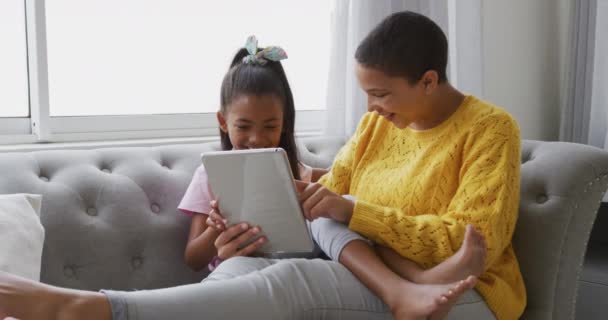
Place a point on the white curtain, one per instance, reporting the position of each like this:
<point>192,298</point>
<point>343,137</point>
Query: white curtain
<point>584,117</point>
<point>352,20</point>
<point>598,126</point>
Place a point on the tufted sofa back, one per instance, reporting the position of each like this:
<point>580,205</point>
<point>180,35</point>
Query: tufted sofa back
<point>562,185</point>
<point>111,221</point>
<point>110,214</point>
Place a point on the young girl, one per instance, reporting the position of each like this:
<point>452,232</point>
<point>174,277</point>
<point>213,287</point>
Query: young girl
<point>257,111</point>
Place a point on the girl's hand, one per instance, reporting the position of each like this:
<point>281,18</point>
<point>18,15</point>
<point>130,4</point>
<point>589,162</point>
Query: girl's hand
<point>230,241</point>
<point>318,201</point>
<point>215,219</point>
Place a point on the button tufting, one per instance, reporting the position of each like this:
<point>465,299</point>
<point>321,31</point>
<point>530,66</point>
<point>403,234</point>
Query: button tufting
<point>92,212</point>
<point>155,208</point>
<point>137,262</point>
<point>541,198</point>
<point>69,271</point>
<point>45,179</point>
<point>106,170</point>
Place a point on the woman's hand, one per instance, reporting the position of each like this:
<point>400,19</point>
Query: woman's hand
<point>318,201</point>
<point>230,242</point>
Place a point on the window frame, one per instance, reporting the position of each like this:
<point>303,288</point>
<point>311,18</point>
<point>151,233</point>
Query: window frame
<point>40,127</point>
<point>16,129</point>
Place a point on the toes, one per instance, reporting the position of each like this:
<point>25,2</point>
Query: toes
<point>463,285</point>
<point>442,300</point>
<point>469,234</point>
<point>471,281</point>
<point>482,241</point>
<point>468,229</point>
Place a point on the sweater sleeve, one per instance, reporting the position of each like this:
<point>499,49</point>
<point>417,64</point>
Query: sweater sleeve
<point>487,197</point>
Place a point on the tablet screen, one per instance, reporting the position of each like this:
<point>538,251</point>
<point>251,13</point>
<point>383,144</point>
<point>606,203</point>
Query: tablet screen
<point>256,186</point>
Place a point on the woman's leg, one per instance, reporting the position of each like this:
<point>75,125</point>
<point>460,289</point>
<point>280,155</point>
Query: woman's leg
<point>335,239</point>
<point>238,266</point>
<point>25,299</point>
<point>386,277</point>
<point>287,289</point>
<point>468,260</point>
<point>231,268</point>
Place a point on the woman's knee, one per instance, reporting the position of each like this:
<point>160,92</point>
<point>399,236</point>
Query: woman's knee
<point>333,236</point>
<point>238,266</point>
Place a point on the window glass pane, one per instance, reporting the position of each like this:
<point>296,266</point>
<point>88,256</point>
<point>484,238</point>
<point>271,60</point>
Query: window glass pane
<point>115,57</point>
<point>14,101</point>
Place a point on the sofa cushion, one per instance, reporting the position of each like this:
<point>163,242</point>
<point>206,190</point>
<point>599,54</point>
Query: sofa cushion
<point>21,235</point>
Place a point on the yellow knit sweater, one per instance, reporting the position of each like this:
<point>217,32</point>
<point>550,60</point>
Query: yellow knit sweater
<point>417,190</point>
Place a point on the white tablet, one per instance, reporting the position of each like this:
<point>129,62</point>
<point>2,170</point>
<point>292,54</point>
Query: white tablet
<point>257,186</point>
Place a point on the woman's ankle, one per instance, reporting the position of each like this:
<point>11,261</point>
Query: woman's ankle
<point>392,295</point>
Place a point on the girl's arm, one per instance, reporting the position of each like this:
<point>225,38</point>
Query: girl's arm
<point>230,240</point>
<point>200,249</point>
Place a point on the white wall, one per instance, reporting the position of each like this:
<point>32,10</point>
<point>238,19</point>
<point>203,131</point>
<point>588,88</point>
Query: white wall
<point>523,50</point>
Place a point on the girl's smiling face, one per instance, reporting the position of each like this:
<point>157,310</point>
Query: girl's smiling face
<point>253,121</point>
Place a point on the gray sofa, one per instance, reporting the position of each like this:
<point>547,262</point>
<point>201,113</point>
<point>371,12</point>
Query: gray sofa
<point>111,221</point>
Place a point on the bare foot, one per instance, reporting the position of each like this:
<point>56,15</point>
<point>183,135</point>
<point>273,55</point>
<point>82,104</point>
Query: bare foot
<point>447,301</point>
<point>25,299</point>
<point>431,301</point>
<point>467,261</point>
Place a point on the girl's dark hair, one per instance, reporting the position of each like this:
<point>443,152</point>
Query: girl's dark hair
<point>405,44</point>
<point>254,79</point>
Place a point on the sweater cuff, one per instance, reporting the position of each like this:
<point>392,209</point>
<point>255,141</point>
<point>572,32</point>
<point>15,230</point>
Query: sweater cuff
<point>367,220</point>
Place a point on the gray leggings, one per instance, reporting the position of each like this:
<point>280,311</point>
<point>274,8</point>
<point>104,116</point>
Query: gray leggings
<point>259,288</point>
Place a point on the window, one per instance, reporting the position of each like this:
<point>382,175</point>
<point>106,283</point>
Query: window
<point>120,69</point>
<point>13,61</point>
<point>141,57</point>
